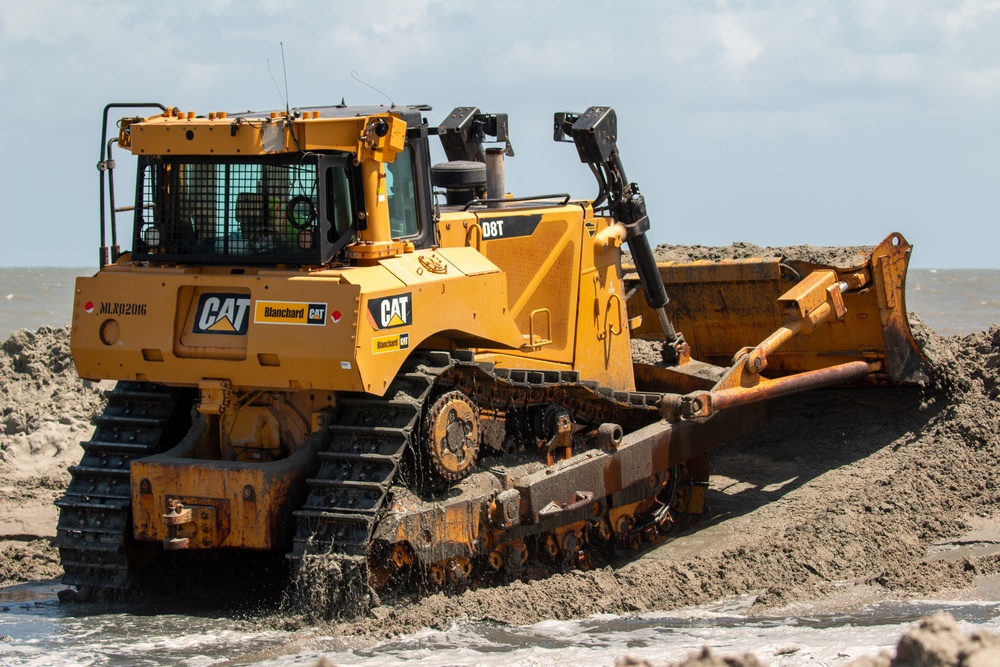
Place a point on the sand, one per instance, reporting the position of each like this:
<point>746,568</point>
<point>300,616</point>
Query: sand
<point>838,256</point>
<point>45,411</point>
<point>848,496</point>
<point>936,641</point>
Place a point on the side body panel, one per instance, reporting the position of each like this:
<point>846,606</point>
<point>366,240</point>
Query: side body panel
<point>284,330</point>
<point>564,292</point>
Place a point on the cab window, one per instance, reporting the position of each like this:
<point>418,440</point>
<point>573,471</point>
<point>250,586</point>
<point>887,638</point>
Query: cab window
<point>401,195</point>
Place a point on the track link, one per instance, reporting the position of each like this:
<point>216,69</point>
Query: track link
<point>94,526</point>
<point>351,489</point>
<point>349,493</point>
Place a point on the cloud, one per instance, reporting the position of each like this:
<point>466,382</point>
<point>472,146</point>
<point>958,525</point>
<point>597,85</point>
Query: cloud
<point>767,75</point>
<point>969,17</point>
<point>51,22</point>
<point>740,46</point>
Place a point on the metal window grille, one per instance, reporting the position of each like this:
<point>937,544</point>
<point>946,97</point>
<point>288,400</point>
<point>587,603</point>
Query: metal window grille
<point>228,211</point>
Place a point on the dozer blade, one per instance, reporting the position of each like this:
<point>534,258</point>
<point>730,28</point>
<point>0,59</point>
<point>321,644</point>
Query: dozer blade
<point>723,306</point>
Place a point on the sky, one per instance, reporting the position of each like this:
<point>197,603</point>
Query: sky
<point>776,123</point>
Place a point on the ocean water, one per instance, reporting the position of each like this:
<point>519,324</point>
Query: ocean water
<point>951,301</point>
<point>35,297</point>
<point>36,630</point>
<point>955,301</point>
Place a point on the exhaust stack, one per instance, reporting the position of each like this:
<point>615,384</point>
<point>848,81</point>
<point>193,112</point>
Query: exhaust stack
<point>495,177</point>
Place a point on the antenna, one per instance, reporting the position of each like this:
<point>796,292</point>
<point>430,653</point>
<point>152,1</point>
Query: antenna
<point>284,72</point>
<point>357,77</point>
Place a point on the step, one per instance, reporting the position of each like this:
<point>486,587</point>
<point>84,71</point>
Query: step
<point>66,503</point>
<point>129,422</point>
<point>68,542</point>
<point>358,458</point>
<point>140,395</point>
<point>97,470</point>
<point>96,446</point>
<point>346,484</point>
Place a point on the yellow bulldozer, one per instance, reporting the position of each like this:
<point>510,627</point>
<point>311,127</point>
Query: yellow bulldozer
<point>392,374</point>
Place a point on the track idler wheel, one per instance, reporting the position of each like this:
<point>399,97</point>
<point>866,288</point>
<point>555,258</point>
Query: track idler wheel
<point>511,557</point>
<point>623,526</point>
<point>455,571</point>
<point>601,530</point>
<point>436,574</point>
<point>624,530</point>
<point>452,435</point>
<point>459,570</point>
<point>564,546</point>
<point>402,556</point>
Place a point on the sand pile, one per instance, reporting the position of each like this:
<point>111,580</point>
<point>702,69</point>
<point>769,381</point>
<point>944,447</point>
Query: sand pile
<point>849,495</point>
<point>839,256</point>
<point>45,410</point>
<point>40,390</point>
<point>936,641</point>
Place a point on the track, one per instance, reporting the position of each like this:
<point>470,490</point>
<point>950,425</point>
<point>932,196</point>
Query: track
<point>93,533</point>
<point>351,490</point>
<point>375,444</point>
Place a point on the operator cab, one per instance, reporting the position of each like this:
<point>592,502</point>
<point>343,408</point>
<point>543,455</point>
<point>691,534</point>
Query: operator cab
<point>302,206</point>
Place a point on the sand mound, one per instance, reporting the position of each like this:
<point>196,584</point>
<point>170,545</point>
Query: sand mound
<point>40,393</point>
<point>45,410</point>
<point>838,256</point>
<point>936,641</point>
<point>845,490</point>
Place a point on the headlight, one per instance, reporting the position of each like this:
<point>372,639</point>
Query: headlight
<point>151,236</point>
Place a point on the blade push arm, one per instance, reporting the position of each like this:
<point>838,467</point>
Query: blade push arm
<point>815,299</point>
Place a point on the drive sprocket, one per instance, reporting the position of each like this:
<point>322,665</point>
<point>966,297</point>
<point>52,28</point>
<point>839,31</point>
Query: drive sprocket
<point>452,435</point>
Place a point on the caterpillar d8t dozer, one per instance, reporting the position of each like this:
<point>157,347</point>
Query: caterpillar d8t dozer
<point>392,374</point>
